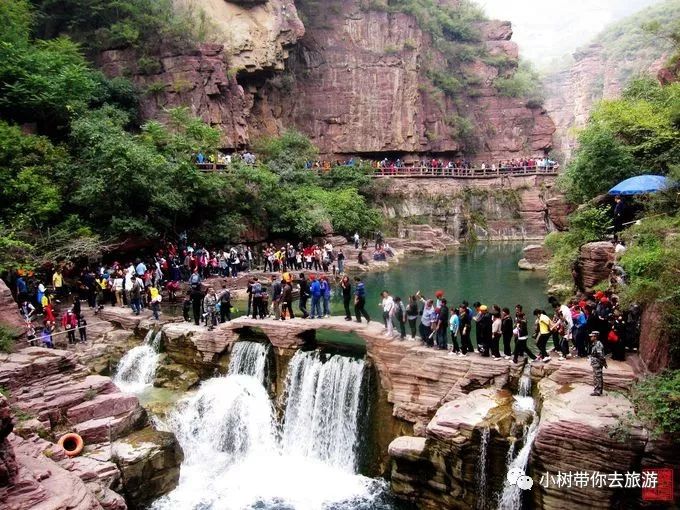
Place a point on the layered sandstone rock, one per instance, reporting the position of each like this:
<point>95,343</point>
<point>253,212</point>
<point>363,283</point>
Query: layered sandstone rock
<point>558,210</point>
<point>497,208</point>
<point>53,394</point>
<point>594,75</point>
<point>595,261</point>
<point>441,469</point>
<point>655,341</point>
<point>578,432</point>
<point>9,310</point>
<point>536,256</point>
<point>370,63</point>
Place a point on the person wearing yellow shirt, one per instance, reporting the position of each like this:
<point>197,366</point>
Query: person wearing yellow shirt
<point>543,326</point>
<point>58,284</point>
<point>155,298</point>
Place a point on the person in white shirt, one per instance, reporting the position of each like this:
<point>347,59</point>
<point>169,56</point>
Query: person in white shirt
<point>387,304</point>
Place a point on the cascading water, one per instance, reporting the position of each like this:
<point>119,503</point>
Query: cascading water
<point>511,496</point>
<point>250,358</point>
<point>137,368</point>
<point>321,419</point>
<point>481,470</point>
<point>237,458</point>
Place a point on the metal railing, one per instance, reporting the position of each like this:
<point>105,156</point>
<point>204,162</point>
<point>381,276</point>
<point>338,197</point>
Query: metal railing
<point>421,171</point>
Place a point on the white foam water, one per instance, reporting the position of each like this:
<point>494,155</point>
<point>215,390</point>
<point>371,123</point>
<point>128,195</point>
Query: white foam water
<point>249,358</point>
<point>137,368</point>
<point>237,458</point>
<point>481,469</point>
<point>511,496</point>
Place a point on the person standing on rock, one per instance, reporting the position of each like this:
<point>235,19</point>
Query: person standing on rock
<point>225,304</point>
<point>506,330</point>
<point>442,325</point>
<point>400,315</point>
<point>277,290</point>
<point>210,308</point>
<point>597,361</point>
<point>543,326</point>
<point>496,334</point>
<point>356,240</point>
<point>429,314</point>
<point>454,327</point>
<point>465,327</point>
<point>521,333</point>
<point>287,300</point>
<point>196,301</point>
<point>315,291</point>
<point>360,300</point>
<point>387,304</point>
<point>412,315</point>
<point>326,296</point>
<point>256,291</point>
<point>304,295</point>
<point>346,287</point>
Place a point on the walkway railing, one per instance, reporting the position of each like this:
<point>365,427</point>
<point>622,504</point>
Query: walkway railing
<point>420,171</point>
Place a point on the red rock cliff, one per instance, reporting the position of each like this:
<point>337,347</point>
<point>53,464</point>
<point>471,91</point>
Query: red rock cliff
<point>354,82</point>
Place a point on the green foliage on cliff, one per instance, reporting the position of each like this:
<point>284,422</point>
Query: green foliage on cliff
<point>634,135</point>
<point>524,83</point>
<point>637,41</point>
<point>105,24</point>
<point>94,176</point>
<point>657,402</point>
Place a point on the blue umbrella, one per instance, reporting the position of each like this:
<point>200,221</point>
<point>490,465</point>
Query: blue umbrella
<point>639,185</point>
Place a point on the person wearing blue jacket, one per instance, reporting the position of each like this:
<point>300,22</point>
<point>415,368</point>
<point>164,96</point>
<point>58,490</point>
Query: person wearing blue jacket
<point>360,300</point>
<point>326,295</point>
<point>315,291</point>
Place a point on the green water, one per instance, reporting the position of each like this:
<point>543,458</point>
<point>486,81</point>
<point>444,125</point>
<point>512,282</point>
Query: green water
<point>486,273</point>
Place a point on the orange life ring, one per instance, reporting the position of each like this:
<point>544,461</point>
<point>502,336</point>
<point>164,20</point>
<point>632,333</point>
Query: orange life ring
<point>72,444</point>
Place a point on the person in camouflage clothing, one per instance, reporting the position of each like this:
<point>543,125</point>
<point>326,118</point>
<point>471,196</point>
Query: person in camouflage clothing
<point>597,361</point>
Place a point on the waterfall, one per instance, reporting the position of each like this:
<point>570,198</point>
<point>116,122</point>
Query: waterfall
<point>511,496</point>
<point>250,358</point>
<point>238,457</point>
<point>481,470</point>
<point>136,370</point>
<point>524,389</point>
<point>321,419</point>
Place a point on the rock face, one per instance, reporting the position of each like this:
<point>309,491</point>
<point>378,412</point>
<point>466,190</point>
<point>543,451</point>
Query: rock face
<point>587,441</point>
<point>370,63</point>
<point>595,261</point>
<point>8,465</point>
<point>536,256</point>
<point>9,311</point>
<point>655,341</point>
<point>53,394</point>
<point>149,463</point>
<point>595,75</point>
<point>440,470</point>
<point>503,208</point>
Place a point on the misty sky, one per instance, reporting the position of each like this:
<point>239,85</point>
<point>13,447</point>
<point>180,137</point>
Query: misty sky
<point>549,30</point>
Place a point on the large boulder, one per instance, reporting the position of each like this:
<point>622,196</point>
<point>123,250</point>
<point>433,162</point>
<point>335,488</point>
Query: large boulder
<point>577,433</point>
<point>536,256</point>
<point>149,463</point>
<point>9,310</point>
<point>8,464</point>
<point>595,260</point>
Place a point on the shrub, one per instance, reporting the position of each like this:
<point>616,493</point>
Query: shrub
<point>7,337</point>
<point>657,402</point>
<point>148,65</point>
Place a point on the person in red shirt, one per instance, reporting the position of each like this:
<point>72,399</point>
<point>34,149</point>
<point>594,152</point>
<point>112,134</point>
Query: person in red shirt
<point>69,321</point>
